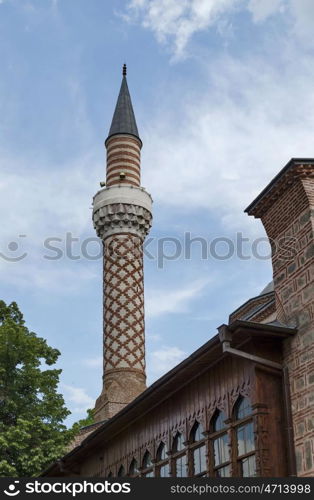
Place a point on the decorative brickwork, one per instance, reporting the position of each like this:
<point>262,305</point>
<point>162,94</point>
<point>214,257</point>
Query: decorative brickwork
<point>287,212</point>
<point>124,303</point>
<point>123,160</point>
<point>122,219</point>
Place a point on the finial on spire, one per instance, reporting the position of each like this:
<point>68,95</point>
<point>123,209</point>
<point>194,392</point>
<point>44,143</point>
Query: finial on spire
<point>123,121</point>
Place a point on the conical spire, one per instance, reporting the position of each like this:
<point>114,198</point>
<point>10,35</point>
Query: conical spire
<point>123,121</point>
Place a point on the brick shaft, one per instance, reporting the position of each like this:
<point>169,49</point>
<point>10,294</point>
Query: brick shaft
<point>122,218</point>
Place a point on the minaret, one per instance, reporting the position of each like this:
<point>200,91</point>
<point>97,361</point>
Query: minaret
<point>122,219</point>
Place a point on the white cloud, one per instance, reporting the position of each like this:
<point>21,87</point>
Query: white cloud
<point>300,14</point>
<point>46,202</point>
<point>167,300</point>
<point>163,359</point>
<point>178,20</point>
<point>303,15</point>
<point>77,396</point>
<point>262,9</point>
<point>35,275</point>
<point>46,197</point>
<point>233,135</point>
<point>175,22</point>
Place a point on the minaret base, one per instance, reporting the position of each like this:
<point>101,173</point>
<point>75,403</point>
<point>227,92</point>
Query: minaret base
<point>119,390</point>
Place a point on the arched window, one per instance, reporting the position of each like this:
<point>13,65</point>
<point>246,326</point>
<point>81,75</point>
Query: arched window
<point>198,450</point>
<point>178,443</point>
<point>147,465</point>
<point>197,433</point>
<point>179,457</point>
<point>133,469</point>
<point>243,408</point>
<point>121,471</point>
<point>245,438</point>
<point>162,452</point>
<point>163,469</point>
<point>221,446</point>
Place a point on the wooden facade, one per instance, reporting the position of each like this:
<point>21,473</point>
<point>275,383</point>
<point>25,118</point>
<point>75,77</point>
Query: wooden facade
<point>206,388</point>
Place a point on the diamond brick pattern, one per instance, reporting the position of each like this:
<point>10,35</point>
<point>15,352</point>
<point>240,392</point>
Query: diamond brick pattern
<point>124,303</point>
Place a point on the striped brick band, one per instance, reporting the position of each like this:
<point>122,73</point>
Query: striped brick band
<point>123,160</point>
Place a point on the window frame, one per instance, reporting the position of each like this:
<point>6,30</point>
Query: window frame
<point>215,435</point>
<point>193,446</point>
<point>182,453</point>
<point>145,470</point>
<point>176,454</point>
<point>161,462</point>
<point>121,469</point>
<point>137,468</point>
<point>237,423</point>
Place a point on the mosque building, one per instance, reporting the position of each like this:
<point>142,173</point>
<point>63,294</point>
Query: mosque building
<point>242,405</point>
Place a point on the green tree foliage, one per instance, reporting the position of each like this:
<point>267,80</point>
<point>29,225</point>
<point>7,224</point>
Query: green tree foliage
<point>89,420</point>
<point>32,434</point>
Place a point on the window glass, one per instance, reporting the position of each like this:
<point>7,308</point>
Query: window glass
<point>180,464</point>
<point>121,471</point>
<point>147,460</point>
<point>162,452</point>
<point>245,437</point>
<point>248,466</point>
<point>219,421</point>
<point>243,408</point>
<point>133,468</point>
<point>221,449</point>
<point>149,474</point>
<point>197,432</point>
<point>178,443</point>
<point>199,458</point>
<point>223,471</point>
<point>164,471</point>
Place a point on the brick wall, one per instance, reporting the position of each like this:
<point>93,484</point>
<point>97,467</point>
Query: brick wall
<point>289,222</point>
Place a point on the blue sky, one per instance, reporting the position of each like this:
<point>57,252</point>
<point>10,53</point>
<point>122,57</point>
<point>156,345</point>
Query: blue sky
<point>223,95</point>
